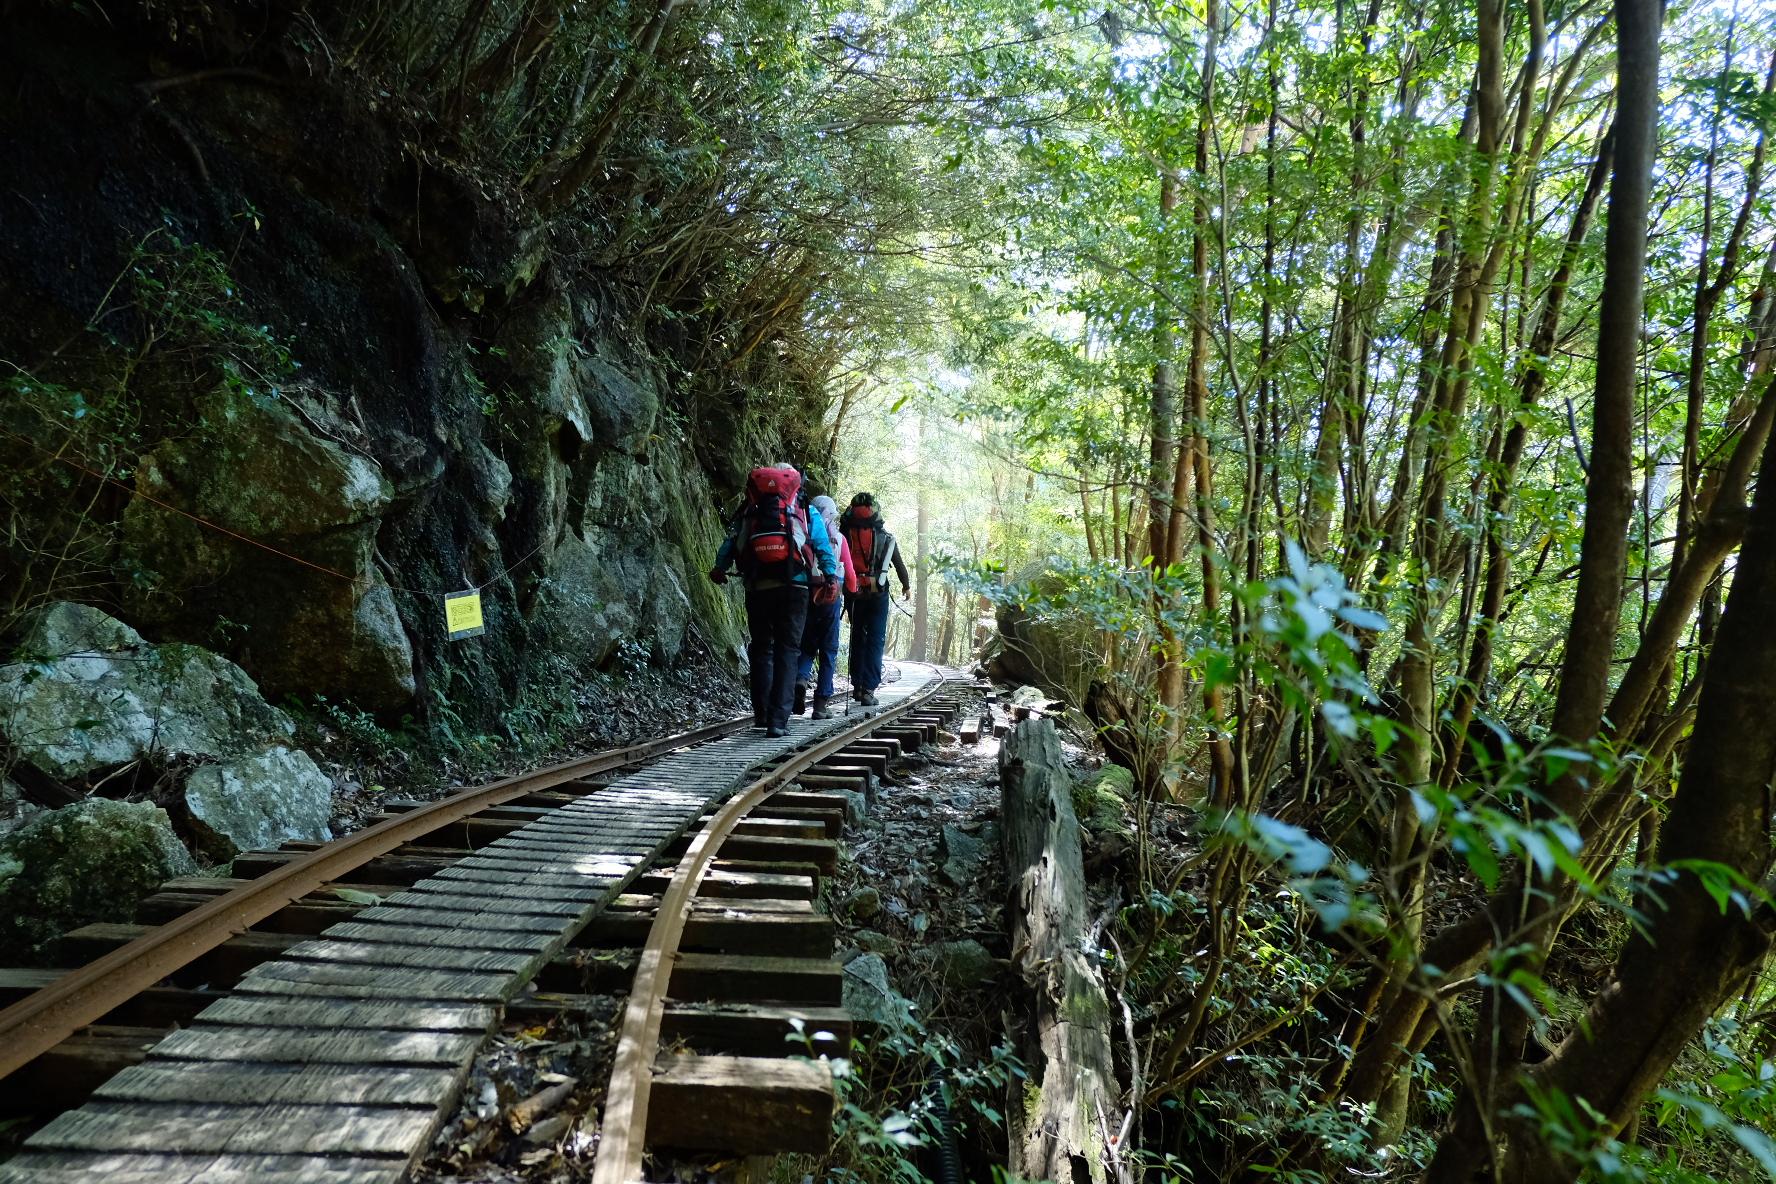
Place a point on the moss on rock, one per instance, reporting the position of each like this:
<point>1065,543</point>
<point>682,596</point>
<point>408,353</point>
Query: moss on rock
<point>88,862</point>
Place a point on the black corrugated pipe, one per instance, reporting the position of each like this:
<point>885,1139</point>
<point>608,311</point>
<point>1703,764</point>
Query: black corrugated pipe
<point>949,1158</point>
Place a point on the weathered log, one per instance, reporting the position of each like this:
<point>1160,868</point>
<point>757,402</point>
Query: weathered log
<point>1062,1131</point>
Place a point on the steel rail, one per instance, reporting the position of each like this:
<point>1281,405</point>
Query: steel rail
<point>43,1019</point>
<point>623,1136</point>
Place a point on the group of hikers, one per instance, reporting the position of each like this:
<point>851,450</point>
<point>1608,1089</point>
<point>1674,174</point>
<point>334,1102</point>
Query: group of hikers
<point>805,565</point>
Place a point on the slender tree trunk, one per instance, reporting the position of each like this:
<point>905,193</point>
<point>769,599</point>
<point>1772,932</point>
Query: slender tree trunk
<point>1532,378</point>
<point>1163,465</point>
<point>1637,1026</point>
<point>1609,501</point>
<point>920,644</point>
<point>1220,748</point>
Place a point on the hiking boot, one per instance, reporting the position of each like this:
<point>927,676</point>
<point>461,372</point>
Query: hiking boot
<point>821,710</point>
<point>774,733</point>
<point>801,699</point>
<point>869,699</point>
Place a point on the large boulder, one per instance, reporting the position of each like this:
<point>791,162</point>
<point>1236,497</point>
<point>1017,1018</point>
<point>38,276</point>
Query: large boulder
<point>583,603</point>
<point>623,409</point>
<point>965,965</point>
<point>87,862</point>
<point>314,617</point>
<point>256,801</point>
<point>960,852</point>
<point>536,341</point>
<point>89,696</point>
<point>1039,643</point>
<point>255,466</point>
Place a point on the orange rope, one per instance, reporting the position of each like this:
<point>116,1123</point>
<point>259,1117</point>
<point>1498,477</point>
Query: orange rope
<point>204,522</point>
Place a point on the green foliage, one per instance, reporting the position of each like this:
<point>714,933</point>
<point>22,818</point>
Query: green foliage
<point>171,327</point>
<point>889,1093</point>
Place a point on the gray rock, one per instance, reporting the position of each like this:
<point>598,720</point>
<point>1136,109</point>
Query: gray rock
<point>88,862</point>
<point>487,480</point>
<point>965,964</point>
<point>97,696</point>
<point>956,843</point>
<point>583,603</point>
<point>856,807</point>
<point>863,903</point>
<point>1052,650</point>
<point>622,409</point>
<point>257,468</point>
<point>258,801</point>
<point>15,808</point>
<point>543,358</point>
<point>870,997</point>
<point>667,613</point>
<point>961,852</point>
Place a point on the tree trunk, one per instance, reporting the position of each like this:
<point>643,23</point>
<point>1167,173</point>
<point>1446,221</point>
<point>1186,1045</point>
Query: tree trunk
<point>921,642</point>
<point>1609,500</point>
<point>1197,386</point>
<point>1065,1133</point>
<point>1532,377</point>
<point>1637,1026</point>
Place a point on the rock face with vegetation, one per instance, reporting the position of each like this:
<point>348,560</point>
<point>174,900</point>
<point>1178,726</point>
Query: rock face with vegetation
<point>333,377</point>
<point>277,468</point>
<point>87,862</point>
<point>89,705</point>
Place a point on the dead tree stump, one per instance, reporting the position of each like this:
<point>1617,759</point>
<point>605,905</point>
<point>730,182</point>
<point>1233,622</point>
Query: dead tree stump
<point>1061,1130</point>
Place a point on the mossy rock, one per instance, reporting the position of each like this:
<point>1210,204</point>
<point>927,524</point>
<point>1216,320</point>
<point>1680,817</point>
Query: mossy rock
<point>92,861</point>
<point>1056,651</point>
<point>92,696</point>
<point>1102,800</point>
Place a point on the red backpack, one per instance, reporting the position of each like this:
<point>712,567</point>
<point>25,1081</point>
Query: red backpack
<point>773,534</point>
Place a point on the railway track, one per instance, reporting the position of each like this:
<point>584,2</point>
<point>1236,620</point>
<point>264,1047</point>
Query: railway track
<point>314,1018</point>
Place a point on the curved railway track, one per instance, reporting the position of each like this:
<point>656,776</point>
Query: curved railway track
<point>39,1022</point>
<point>622,1146</point>
<point>341,1045</point>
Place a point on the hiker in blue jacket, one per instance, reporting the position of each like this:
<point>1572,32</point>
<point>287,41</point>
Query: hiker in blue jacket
<point>782,552</point>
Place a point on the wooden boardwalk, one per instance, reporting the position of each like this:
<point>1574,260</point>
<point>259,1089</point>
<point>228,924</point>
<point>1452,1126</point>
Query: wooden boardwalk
<point>336,1063</point>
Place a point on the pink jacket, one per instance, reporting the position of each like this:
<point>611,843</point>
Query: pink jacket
<point>845,562</point>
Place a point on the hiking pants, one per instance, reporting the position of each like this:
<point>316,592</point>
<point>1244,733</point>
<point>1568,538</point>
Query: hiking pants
<point>775,618</point>
<point>821,640</point>
<point>869,632</point>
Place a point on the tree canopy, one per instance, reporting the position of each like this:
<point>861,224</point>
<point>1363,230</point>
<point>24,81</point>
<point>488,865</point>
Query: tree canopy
<point>1375,397</point>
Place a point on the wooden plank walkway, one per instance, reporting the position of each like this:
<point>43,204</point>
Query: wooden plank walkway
<point>336,1063</point>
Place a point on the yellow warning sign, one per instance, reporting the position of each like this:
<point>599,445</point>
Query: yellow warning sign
<point>462,615</point>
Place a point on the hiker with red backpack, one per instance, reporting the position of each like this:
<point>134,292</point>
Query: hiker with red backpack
<point>820,639</point>
<point>873,549</point>
<point>781,554</point>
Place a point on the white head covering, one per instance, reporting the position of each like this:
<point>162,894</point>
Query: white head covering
<point>829,510</point>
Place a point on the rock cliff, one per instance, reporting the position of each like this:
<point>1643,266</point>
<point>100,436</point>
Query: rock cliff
<point>331,376</point>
